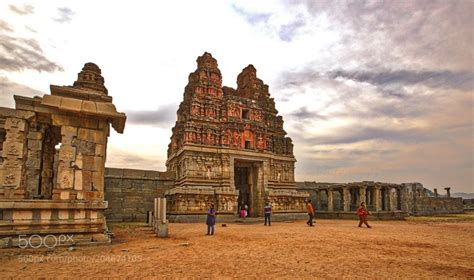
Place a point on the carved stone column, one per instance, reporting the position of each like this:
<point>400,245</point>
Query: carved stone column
<point>67,156</point>
<point>362,194</point>
<point>378,199</point>
<point>346,199</point>
<point>393,199</point>
<point>12,171</point>
<point>330,200</point>
<point>318,200</point>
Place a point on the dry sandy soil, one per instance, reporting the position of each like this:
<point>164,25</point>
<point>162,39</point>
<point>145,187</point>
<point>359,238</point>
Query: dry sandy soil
<point>332,249</point>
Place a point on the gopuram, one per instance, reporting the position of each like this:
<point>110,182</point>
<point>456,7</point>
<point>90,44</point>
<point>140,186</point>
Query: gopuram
<point>228,147</point>
<point>52,163</point>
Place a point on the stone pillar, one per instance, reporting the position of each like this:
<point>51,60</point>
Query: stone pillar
<point>67,158</point>
<point>448,192</point>
<point>330,200</point>
<point>318,200</point>
<point>362,194</point>
<point>12,172</point>
<point>435,192</point>
<point>163,209</point>
<point>392,199</point>
<point>377,199</point>
<point>405,199</point>
<point>33,162</point>
<point>150,218</point>
<point>156,213</point>
<point>160,223</point>
<point>346,199</point>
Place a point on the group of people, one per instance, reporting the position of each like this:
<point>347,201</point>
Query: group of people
<point>362,212</point>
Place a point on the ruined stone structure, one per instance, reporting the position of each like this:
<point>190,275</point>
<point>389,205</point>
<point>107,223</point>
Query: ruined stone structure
<point>228,146</point>
<point>52,160</point>
<point>384,200</point>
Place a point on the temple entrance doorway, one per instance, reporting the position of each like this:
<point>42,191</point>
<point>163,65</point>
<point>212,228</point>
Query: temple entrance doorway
<point>241,179</point>
<point>249,185</point>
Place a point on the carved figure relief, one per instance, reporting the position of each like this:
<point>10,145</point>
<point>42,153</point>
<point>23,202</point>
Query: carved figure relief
<point>9,179</point>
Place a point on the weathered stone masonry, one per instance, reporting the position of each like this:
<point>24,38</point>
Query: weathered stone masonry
<point>52,161</point>
<point>130,192</point>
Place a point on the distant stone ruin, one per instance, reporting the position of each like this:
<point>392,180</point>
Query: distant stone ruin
<point>385,200</point>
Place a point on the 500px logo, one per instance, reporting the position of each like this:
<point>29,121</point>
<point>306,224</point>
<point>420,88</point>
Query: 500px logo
<point>49,241</point>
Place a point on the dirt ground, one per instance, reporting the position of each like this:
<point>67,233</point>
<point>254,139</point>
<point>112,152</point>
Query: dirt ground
<point>333,249</point>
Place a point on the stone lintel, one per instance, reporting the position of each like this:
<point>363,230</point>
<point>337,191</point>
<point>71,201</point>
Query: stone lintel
<point>95,109</point>
<point>15,113</point>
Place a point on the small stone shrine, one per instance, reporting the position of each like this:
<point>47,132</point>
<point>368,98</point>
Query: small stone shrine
<point>52,162</point>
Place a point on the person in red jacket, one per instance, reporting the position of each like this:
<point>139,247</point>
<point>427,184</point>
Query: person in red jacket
<point>362,212</point>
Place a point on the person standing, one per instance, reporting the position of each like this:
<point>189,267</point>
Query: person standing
<point>211,220</point>
<point>309,208</point>
<point>267,209</point>
<point>363,213</point>
<point>243,212</point>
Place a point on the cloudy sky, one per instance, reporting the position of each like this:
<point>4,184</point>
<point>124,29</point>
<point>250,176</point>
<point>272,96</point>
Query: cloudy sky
<point>376,90</point>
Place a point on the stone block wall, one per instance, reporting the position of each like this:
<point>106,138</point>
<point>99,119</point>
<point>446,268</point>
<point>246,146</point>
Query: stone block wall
<point>130,192</point>
<point>468,203</point>
<point>437,205</point>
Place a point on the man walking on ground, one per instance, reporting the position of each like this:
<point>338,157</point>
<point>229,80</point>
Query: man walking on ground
<point>268,212</point>
<point>310,209</point>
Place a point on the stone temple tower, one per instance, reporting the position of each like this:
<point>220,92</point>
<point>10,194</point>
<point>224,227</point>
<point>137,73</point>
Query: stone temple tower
<point>228,147</point>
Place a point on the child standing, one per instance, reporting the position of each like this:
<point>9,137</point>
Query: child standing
<point>362,212</point>
<point>243,212</point>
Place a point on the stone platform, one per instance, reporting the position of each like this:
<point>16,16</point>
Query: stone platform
<point>52,223</point>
